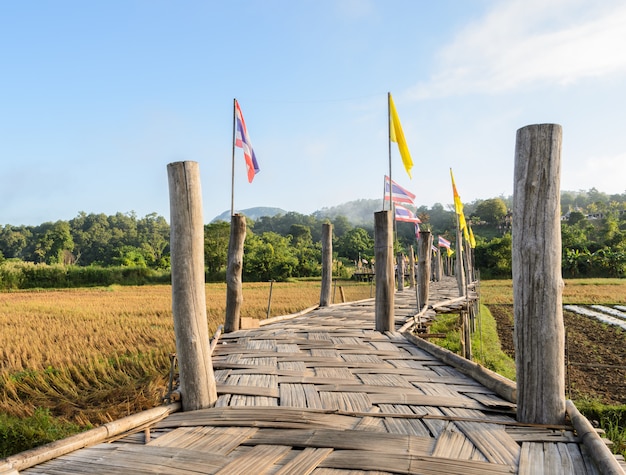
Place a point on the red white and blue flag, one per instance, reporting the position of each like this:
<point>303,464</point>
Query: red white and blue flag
<point>399,194</point>
<point>242,140</point>
<point>405,214</point>
<point>444,242</point>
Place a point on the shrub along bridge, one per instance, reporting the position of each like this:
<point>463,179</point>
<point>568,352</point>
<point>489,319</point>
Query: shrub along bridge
<point>348,388</point>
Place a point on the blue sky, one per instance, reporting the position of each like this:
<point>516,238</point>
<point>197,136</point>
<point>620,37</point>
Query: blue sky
<point>96,98</point>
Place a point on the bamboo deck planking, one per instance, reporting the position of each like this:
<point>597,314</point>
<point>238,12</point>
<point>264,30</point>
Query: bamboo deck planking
<point>323,393</point>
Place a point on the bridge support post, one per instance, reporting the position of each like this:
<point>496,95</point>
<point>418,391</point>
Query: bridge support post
<point>383,252</point>
<point>327,264</point>
<point>400,271</point>
<point>197,381</point>
<point>425,243</point>
<point>234,268</point>
<point>537,282</point>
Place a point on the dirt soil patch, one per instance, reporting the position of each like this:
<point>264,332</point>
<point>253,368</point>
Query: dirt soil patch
<point>596,353</point>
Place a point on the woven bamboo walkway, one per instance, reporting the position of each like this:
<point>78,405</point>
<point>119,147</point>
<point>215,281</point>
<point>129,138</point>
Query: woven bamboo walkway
<point>323,393</point>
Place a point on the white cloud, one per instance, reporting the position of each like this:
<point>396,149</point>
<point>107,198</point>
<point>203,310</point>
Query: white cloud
<point>528,42</point>
<point>606,173</point>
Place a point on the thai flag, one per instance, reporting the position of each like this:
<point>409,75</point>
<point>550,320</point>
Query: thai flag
<point>405,214</point>
<point>242,140</point>
<point>444,242</point>
<point>400,195</point>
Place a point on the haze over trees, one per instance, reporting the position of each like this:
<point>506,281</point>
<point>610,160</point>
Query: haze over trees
<point>287,245</point>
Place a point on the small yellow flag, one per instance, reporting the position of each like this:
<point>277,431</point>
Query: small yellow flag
<point>472,240</point>
<point>458,206</point>
<point>397,135</point>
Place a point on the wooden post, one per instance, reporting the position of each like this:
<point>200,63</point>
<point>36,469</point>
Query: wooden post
<point>537,282</point>
<point>234,286</point>
<point>327,264</point>
<point>423,266</point>
<point>383,252</point>
<point>412,267</point>
<point>438,266</point>
<point>400,271</point>
<point>197,381</point>
<point>460,272</point>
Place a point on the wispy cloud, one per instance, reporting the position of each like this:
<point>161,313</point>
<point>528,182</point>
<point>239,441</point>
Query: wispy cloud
<point>612,169</point>
<point>525,43</point>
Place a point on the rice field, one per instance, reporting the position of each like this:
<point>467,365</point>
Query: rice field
<point>575,291</point>
<point>96,354</point>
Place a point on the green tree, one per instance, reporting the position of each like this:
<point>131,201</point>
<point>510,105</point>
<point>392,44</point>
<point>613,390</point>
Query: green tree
<point>268,256</point>
<point>494,257</point>
<point>492,210</point>
<point>355,242</point>
<point>309,256</point>
<point>153,235</point>
<point>52,240</point>
<point>14,241</point>
<point>92,236</point>
<point>216,237</point>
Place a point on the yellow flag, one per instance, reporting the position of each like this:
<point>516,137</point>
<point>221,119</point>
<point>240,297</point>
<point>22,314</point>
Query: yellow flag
<point>472,240</point>
<point>458,206</point>
<point>397,135</point>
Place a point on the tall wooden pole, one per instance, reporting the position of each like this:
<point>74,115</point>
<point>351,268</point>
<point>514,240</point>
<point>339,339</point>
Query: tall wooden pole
<point>232,170</point>
<point>537,282</point>
<point>327,264</point>
<point>460,272</point>
<point>412,267</point>
<point>197,381</point>
<point>400,271</point>
<point>423,266</point>
<point>383,252</point>
<point>234,286</point>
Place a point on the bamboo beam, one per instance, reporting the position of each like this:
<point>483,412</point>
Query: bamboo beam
<point>605,460</point>
<point>44,453</point>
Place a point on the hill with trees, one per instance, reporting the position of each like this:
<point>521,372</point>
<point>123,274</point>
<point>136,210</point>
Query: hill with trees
<point>284,245</point>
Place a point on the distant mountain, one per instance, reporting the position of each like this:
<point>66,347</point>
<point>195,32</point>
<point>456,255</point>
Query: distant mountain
<point>252,213</point>
<point>358,212</point>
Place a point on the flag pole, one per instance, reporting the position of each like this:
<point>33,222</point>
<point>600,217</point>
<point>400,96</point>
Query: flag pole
<point>389,150</point>
<point>391,205</point>
<point>232,174</point>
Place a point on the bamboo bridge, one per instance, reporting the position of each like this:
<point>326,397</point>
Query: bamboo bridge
<point>322,392</point>
<point>353,388</point>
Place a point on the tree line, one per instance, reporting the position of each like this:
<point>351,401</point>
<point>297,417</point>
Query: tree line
<point>289,245</point>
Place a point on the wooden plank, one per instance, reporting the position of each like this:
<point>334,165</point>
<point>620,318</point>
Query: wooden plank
<point>247,390</point>
<point>401,425</point>
<point>451,443</point>
<point>374,442</point>
<point>305,462</point>
<point>257,460</point>
<point>216,440</point>
<point>407,464</point>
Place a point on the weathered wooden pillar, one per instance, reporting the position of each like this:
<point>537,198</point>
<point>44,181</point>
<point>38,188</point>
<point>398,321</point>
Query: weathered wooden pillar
<point>383,252</point>
<point>424,244</point>
<point>438,266</point>
<point>197,381</point>
<point>412,267</point>
<point>234,268</point>
<point>400,271</point>
<point>537,282</point>
<point>327,264</point>
<point>459,271</point>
